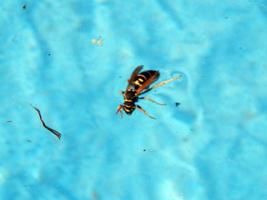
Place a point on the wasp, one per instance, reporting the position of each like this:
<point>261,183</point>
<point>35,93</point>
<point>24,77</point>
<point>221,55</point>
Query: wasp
<point>139,84</point>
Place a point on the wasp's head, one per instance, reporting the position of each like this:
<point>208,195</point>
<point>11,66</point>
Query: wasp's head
<point>128,108</point>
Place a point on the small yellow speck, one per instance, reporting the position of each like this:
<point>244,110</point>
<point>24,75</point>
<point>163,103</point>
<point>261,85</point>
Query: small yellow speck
<point>97,41</point>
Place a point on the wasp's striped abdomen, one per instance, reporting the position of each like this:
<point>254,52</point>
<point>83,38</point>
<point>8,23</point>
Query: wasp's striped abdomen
<point>143,77</point>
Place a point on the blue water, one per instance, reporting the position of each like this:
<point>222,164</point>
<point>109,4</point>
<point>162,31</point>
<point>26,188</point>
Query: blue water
<point>71,58</point>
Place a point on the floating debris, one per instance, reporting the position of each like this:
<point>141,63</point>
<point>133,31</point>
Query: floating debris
<point>9,121</point>
<point>24,6</point>
<point>97,41</point>
<point>177,104</point>
<point>56,133</point>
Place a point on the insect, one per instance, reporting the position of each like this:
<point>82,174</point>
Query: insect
<point>139,84</point>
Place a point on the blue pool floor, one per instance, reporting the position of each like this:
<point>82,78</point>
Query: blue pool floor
<point>71,58</point>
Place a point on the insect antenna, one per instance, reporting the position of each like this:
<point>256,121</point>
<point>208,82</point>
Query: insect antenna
<point>119,110</point>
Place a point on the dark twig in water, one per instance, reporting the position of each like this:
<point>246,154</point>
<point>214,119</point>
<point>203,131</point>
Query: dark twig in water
<point>56,133</point>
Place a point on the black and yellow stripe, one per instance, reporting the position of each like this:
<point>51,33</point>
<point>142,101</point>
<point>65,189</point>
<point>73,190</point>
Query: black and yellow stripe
<point>137,81</point>
<point>142,78</point>
<point>128,107</point>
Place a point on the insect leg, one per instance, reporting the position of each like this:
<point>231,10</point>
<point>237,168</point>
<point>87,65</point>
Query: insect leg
<point>145,91</point>
<point>151,100</point>
<point>145,112</point>
<point>162,83</point>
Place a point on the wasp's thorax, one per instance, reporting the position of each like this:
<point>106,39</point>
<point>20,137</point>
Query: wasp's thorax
<point>130,95</point>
